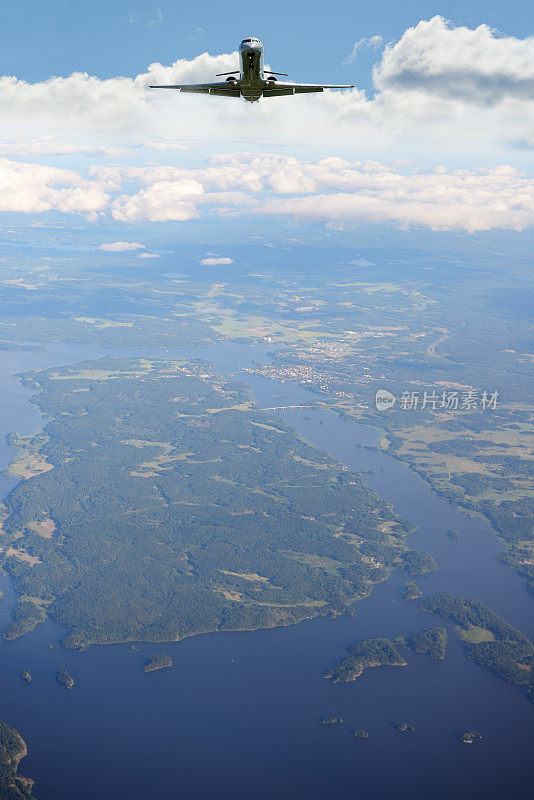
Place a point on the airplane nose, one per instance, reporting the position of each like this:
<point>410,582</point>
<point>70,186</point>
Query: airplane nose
<point>251,45</point>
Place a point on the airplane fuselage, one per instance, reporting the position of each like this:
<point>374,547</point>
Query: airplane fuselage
<point>252,80</point>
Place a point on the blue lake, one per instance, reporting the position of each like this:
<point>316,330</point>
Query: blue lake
<point>238,714</point>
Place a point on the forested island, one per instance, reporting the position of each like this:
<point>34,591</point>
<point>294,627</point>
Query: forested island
<point>411,591</point>
<point>432,642</point>
<point>26,616</point>
<point>171,506</point>
<point>488,639</point>
<point>65,679</point>
<point>418,563</point>
<point>12,749</point>
<point>157,662</point>
<point>364,655</point>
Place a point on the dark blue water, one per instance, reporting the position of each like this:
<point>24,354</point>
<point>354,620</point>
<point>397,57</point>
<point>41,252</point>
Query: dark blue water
<point>237,715</point>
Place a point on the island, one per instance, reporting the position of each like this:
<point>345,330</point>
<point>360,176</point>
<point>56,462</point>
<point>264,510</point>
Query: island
<point>26,616</point>
<point>487,638</point>
<point>418,563</point>
<point>25,675</point>
<point>66,680</point>
<point>364,655</point>
<point>157,662</point>
<point>328,721</point>
<point>163,503</point>
<point>431,642</point>
<point>12,750</point>
<point>411,591</point>
<point>404,727</point>
<point>470,736</point>
<point>361,734</point>
<point>453,534</point>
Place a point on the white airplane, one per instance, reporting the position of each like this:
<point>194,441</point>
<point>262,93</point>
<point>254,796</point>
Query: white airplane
<point>253,81</point>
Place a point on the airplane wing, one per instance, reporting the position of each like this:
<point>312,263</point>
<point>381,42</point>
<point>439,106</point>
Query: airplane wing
<point>224,89</point>
<point>280,88</point>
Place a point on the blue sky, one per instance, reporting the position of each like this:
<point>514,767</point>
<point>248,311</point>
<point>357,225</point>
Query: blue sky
<point>438,133</point>
<point>309,40</point>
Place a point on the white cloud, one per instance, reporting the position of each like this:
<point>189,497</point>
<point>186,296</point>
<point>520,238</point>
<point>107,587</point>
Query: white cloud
<point>444,94</point>
<point>370,42</point>
<point>120,247</point>
<point>330,190</point>
<point>474,66</point>
<point>50,146</point>
<point>34,188</point>
<point>162,201</point>
<point>147,255</point>
<point>212,261</point>
<point>439,89</point>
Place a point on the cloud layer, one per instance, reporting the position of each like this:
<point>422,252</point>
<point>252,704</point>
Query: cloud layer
<point>444,95</point>
<point>442,88</point>
<point>332,190</point>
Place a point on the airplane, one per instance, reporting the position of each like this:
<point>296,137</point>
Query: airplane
<point>253,80</point>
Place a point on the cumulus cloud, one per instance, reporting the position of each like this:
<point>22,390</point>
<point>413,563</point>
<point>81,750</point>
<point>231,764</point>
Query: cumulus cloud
<point>162,201</point>
<point>213,261</point>
<point>332,190</point>
<point>120,247</point>
<point>476,66</point>
<point>147,255</point>
<point>439,88</point>
<point>34,188</point>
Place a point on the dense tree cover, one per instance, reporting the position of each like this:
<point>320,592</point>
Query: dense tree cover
<point>432,642</point>
<point>12,750</point>
<point>26,616</point>
<point>502,648</point>
<point>418,563</point>
<point>180,509</point>
<point>474,483</point>
<point>159,661</point>
<point>411,591</point>
<point>365,654</point>
<point>120,331</point>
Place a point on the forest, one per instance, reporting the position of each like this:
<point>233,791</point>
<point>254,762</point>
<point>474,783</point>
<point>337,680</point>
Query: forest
<point>172,506</point>
<point>432,642</point>
<point>488,639</point>
<point>363,655</point>
<point>12,749</point>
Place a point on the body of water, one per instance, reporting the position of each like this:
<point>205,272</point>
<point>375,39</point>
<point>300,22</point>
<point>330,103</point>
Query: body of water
<point>238,714</point>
